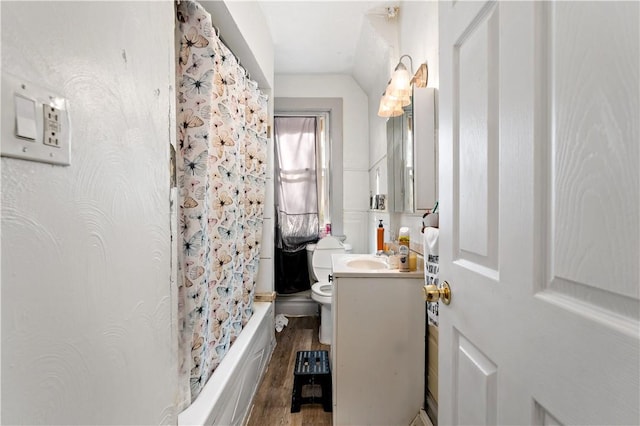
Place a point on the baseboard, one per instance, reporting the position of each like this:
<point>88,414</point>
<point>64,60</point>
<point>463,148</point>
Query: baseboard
<point>265,297</point>
<point>426,421</point>
<point>421,419</point>
<point>296,307</point>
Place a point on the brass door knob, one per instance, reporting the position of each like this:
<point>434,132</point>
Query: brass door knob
<point>432,293</point>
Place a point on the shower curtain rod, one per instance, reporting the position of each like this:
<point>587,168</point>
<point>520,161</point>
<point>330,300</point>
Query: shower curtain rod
<point>246,73</point>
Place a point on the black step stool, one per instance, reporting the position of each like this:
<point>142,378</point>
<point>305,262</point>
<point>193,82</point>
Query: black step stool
<point>312,368</point>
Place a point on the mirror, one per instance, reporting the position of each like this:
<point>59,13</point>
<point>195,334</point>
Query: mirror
<point>411,141</point>
<point>400,168</point>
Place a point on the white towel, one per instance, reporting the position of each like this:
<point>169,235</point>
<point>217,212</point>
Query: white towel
<point>431,268</point>
<point>281,322</point>
<point>431,240</point>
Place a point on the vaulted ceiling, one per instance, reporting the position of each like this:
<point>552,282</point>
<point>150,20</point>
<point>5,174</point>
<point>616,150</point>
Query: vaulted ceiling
<point>329,37</point>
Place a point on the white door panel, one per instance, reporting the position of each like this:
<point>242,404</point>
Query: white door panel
<point>540,212</point>
<point>475,66</point>
<point>477,386</point>
<point>592,217</point>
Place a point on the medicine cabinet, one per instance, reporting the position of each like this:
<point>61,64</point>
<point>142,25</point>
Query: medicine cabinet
<point>400,161</point>
<point>412,158</point>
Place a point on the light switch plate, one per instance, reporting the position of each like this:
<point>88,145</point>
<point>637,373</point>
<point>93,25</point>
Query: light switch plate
<point>52,141</point>
<point>25,117</point>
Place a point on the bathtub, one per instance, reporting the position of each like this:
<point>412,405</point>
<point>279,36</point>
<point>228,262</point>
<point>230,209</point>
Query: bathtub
<point>227,397</point>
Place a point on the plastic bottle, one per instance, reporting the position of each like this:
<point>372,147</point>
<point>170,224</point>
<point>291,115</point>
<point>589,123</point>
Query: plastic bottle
<point>403,241</point>
<point>413,261</point>
<point>380,237</point>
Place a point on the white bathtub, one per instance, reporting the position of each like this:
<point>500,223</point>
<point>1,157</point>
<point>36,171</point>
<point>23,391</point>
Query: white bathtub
<point>228,394</point>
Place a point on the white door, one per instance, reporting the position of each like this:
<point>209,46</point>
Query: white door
<point>540,223</point>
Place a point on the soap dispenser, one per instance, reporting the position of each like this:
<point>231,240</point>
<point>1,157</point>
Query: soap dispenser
<point>380,238</point>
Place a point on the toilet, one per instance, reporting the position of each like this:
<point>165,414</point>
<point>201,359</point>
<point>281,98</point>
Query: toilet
<point>320,268</point>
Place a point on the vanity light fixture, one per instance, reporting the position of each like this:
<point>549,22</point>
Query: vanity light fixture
<point>400,84</point>
<point>421,76</point>
<point>390,106</point>
<point>398,92</point>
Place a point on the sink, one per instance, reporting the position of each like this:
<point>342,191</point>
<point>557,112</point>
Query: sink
<point>367,264</point>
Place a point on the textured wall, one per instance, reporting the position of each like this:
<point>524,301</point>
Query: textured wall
<point>86,300</point>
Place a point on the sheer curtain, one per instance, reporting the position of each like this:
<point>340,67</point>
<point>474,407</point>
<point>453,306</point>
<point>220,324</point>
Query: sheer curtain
<point>221,175</point>
<point>296,199</point>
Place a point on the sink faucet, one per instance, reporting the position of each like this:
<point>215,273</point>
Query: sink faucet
<point>387,253</point>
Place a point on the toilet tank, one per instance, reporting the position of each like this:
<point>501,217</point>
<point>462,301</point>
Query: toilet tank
<point>310,248</point>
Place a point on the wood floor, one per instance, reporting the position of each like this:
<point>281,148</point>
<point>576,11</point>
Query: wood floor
<point>272,405</point>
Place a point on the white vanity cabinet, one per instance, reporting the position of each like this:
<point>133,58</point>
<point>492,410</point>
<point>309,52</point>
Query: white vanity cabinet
<point>378,345</point>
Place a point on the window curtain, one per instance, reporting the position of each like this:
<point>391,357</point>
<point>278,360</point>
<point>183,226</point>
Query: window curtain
<point>221,175</point>
<point>296,200</point>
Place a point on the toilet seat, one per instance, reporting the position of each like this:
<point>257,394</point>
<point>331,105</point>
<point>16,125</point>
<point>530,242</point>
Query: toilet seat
<point>322,289</point>
<point>321,292</point>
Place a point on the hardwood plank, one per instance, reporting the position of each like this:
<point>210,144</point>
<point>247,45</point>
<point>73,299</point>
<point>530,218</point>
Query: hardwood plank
<point>272,403</point>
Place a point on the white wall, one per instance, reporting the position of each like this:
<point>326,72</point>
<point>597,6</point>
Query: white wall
<point>417,37</point>
<point>244,30</point>
<point>86,298</point>
<point>355,138</point>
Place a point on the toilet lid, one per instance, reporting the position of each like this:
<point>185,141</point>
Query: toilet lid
<point>321,261</point>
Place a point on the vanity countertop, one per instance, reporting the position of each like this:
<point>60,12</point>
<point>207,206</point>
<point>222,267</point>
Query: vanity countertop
<point>341,269</point>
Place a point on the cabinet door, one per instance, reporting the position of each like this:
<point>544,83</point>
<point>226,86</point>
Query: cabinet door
<point>425,147</point>
<point>378,350</point>
<point>394,163</point>
<point>400,162</point>
<point>407,162</point>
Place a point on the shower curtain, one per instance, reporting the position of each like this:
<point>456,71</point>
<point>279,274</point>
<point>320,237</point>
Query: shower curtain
<point>296,193</point>
<point>221,167</point>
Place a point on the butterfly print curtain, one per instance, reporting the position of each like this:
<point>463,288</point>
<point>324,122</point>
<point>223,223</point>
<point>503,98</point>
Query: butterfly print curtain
<point>221,166</point>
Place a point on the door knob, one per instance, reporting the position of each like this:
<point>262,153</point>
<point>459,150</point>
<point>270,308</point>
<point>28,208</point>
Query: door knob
<point>432,293</point>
